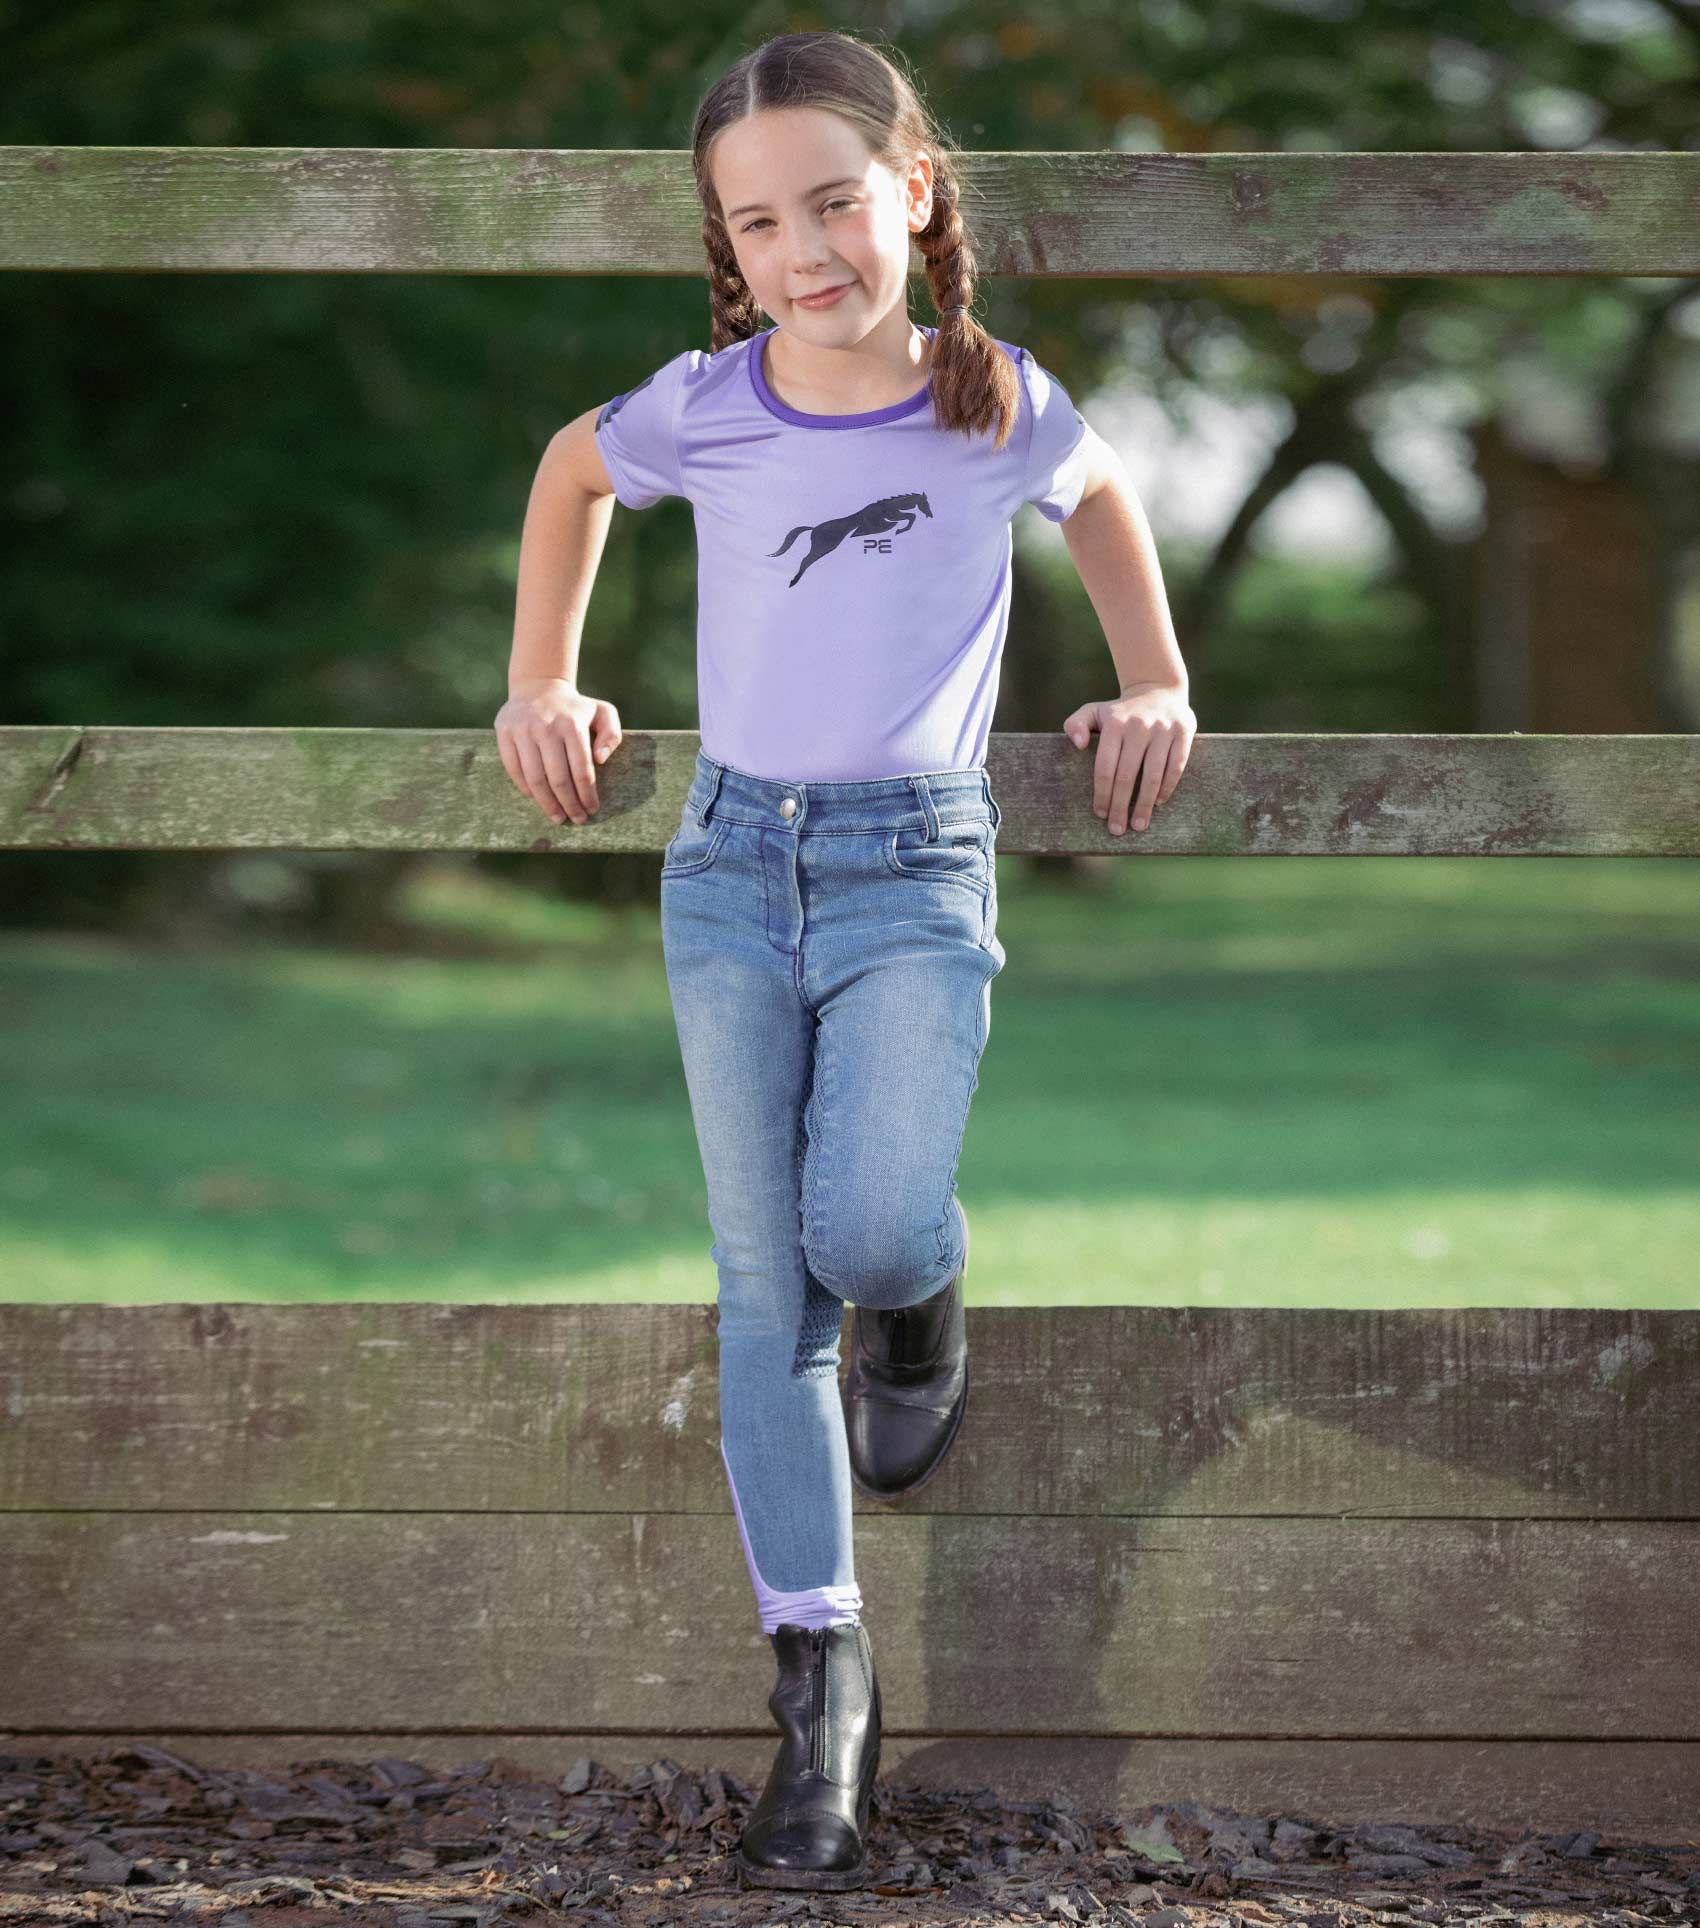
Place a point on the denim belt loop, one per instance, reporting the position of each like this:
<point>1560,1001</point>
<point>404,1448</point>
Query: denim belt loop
<point>924,797</point>
<point>997,814</point>
<point>718,771</point>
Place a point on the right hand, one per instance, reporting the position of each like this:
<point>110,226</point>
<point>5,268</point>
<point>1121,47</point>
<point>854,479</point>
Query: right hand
<point>552,737</point>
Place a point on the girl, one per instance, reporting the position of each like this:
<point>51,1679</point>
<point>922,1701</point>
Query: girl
<point>829,900</point>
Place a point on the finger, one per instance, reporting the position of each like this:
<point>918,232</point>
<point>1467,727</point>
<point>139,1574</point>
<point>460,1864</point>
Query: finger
<point>1175,771</point>
<point>1150,789</point>
<point>1133,739</point>
<point>583,765</point>
<point>537,780</point>
<point>571,772</point>
<point>1104,769</point>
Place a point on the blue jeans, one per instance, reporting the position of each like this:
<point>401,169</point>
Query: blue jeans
<point>830,950</point>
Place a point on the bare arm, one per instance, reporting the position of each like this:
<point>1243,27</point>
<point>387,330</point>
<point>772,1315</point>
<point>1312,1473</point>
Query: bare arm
<point>1110,541</point>
<point>566,526</point>
<point>551,735</point>
<point>1145,734</point>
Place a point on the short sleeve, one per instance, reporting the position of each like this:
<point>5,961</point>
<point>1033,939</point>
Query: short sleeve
<point>1057,457</point>
<point>637,433</point>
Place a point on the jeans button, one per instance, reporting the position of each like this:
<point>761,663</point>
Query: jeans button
<point>789,807</point>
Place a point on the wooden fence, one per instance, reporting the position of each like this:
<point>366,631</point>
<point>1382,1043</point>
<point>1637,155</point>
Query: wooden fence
<point>1437,1563</point>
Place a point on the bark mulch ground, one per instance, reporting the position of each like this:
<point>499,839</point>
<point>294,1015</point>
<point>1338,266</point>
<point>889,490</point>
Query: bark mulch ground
<point>133,1833</point>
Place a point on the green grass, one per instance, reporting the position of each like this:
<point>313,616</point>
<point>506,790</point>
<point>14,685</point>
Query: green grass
<point>1283,1081</point>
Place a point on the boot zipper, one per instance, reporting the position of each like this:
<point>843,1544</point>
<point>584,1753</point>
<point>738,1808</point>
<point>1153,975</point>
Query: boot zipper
<point>817,1743</point>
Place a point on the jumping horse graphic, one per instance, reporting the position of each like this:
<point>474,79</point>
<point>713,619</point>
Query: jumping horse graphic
<point>893,513</point>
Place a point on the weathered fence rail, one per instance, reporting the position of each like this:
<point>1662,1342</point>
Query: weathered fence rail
<point>363,210</point>
<point>84,788</point>
<point>1390,1561</point>
<point>1425,1563</point>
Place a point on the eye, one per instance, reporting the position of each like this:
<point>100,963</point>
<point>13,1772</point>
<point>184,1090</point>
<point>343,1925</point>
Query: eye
<point>761,220</point>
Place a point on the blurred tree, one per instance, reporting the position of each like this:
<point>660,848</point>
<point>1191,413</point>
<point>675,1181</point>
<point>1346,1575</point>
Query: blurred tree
<point>297,499</point>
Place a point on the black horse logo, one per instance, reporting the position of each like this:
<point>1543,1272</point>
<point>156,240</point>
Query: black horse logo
<point>893,512</point>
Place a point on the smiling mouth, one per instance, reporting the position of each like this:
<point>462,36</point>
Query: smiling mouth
<point>818,292</point>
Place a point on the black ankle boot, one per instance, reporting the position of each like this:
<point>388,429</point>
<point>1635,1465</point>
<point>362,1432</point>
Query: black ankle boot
<point>907,1388</point>
<point>809,1828</point>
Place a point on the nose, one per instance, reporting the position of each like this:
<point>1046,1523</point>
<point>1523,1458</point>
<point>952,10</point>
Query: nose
<point>808,247</point>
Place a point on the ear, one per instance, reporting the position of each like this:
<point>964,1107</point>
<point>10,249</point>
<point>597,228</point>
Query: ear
<point>918,193</point>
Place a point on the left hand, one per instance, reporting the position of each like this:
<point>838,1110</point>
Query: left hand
<point>1149,727</point>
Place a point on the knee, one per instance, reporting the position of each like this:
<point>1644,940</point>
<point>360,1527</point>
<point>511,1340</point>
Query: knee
<point>881,1267</point>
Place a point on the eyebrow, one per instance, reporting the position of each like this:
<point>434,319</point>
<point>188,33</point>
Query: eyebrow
<point>749,207</point>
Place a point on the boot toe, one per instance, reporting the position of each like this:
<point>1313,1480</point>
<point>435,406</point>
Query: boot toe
<point>892,1447</point>
<point>804,1843</point>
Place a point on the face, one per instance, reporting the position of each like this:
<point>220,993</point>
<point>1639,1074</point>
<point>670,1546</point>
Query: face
<point>790,241</point>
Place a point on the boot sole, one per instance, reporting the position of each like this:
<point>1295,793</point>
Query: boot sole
<point>756,1875</point>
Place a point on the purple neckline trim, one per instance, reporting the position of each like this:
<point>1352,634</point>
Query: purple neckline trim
<point>868,417</point>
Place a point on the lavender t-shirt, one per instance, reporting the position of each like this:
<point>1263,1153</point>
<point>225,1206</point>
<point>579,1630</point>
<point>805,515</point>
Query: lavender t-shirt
<point>853,571</point>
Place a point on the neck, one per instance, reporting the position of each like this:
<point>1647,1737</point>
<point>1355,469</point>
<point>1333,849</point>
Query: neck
<point>864,375</point>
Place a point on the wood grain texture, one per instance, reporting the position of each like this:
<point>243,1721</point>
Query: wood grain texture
<point>1469,1413</point>
<point>1458,1542</point>
<point>634,211</point>
<point>1295,794</point>
<point>1108,1626</point>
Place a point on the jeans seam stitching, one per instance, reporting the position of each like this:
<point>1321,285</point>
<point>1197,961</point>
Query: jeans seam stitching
<point>700,863</point>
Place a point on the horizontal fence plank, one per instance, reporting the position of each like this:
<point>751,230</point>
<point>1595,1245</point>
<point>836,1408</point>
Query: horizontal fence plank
<point>1642,1791</point>
<point>1296,794</point>
<point>1304,1628</point>
<point>1479,1413</point>
<point>635,211</point>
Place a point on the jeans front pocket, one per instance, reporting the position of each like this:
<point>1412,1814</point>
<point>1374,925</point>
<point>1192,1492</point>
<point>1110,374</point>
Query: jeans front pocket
<point>694,845</point>
<point>960,853</point>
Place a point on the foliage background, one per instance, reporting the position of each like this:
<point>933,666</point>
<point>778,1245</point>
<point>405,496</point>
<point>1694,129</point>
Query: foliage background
<point>297,499</point>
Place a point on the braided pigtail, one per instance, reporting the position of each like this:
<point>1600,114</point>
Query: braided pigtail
<point>974,381</point>
<point>733,313</point>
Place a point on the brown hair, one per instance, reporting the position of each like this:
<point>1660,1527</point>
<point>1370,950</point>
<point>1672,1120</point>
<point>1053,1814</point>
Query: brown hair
<point>975,384</point>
